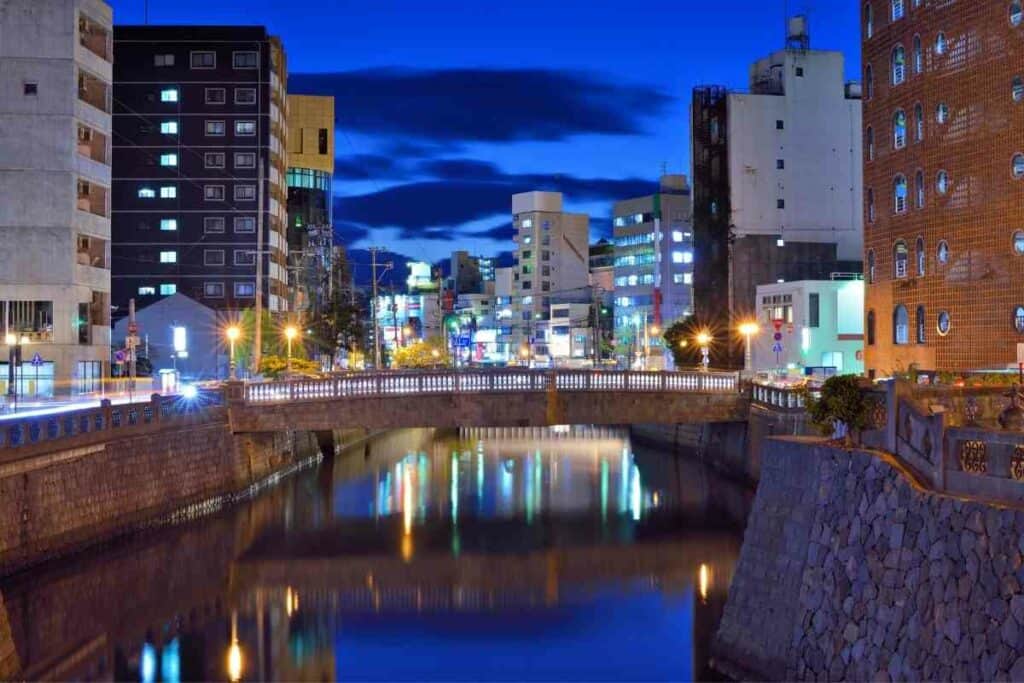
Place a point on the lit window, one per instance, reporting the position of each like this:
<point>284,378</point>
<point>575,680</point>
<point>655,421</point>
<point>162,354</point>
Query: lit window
<point>942,182</point>
<point>918,122</point>
<point>899,65</point>
<point>869,142</point>
<point>940,44</point>
<point>677,235</point>
<point>168,192</point>
<point>169,127</point>
<point>245,128</point>
<point>1018,242</point>
<point>213,193</point>
<point>871,267</point>
<point>871,205</point>
<point>168,257</point>
<point>526,223</point>
<point>920,255</point>
<point>918,56</point>
<point>245,289</point>
<point>900,325</point>
<point>146,193</point>
<point>1015,13</point>
<point>245,224</point>
<point>169,95</point>
<point>677,278</point>
<point>687,278</point>
<point>168,159</point>
<point>168,288</point>
<point>900,257</point>
<point>869,21</point>
<point>168,224</point>
<point>1018,89</point>
<point>920,323</point>
<point>897,9</point>
<point>942,112</point>
<point>919,189</point>
<point>245,192</point>
<point>215,128</point>
<point>899,130</point>
<point>245,160</point>
<point>147,291</point>
<point>900,193</point>
<point>213,290</point>
<point>942,253</point>
<point>943,323</point>
<point>1018,319</point>
<point>1018,165</point>
<point>203,60</point>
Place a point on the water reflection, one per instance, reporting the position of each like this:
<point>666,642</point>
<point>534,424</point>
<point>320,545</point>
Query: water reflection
<point>484,554</point>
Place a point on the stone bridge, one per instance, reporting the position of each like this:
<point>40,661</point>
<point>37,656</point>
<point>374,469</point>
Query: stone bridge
<point>485,398</point>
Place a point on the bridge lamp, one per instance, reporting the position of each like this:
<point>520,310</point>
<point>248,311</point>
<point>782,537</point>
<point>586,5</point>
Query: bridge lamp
<point>704,339</point>
<point>748,329</point>
<point>290,333</point>
<point>233,332</point>
<point>189,392</point>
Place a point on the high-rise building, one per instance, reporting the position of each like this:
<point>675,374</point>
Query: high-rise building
<point>199,117</point>
<point>653,238</point>
<point>943,175</point>
<point>776,178</point>
<point>465,276</point>
<point>552,257</point>
<point>55,73</point>
<point>310,202</point>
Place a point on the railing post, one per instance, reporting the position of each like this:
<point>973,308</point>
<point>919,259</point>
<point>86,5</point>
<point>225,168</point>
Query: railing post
<point>154,402</point>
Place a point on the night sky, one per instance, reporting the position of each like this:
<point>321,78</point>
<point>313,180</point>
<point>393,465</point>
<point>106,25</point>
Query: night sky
<point>446,108</point>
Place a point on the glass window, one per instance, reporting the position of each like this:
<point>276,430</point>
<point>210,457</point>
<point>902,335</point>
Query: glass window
<point>245,192</point>
<point>203,60</point>
<point>245,224</point>
<point>244,257</point>
<point>1018,89</point>
<point>899,191</point>
<point>1018,319</point>
<point>216,96</point>
<point>163,60</point>
<point>1018,165</point>
<point>918,122</point>
<point>1015,13</point>
<point>918,56</point>
<point>869,82</point>
<point>900,256</point>
<point>813,309</point>
<point>213,160</point>
<point>687,278</point>
<point>899,65</point>
<point>168,257</point>
<point>677,235</point>
<point>213,224</point>
<point>1018,242</point>
<point>245,95</point>
<point>168,159</point>
<point>147,193</point>
<point>871,328</point>
<point>245,160</point>
<point>920,256</point>
<point>147,291</point>
<point>871,205</point>
<point>168,288</point>
<point>244,60</point>
<point>942,253</point>
<point>213,290</point>
<point>213,257</point>
<point>940,44</point>
<point>942,182</point>
<point>942,112</point>
<point>169,127</point>
<point>899,130</point>
<point>897,9</point>
<point>869,21</point>
<point>215,128</point>
<point>168,192</point>
<point>900,325</point>
<point>943,323</point>
<point>869,141</point>
<point>168,224</point>
<point>919,323</point>
<point>245,128</point>
<point>919,189</point>
<point>169,95</point>
<point>871,266</point>
<point>213,193</point>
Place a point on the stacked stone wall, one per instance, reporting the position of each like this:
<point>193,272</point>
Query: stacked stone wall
<point>849,571</point>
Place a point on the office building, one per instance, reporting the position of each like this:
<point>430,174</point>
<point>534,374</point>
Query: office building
<point>943,175</point>
<point>821,324</point>
<point>777,185</point>
<point>465,276</point>
<point>310,203</point>
<point>552,256</point>
<point>653,239</point>
<point>602,265</point>
<point>55,76</point>
<point>199,118</point>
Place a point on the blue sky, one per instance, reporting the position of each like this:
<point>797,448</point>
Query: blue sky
<point>445,108</point>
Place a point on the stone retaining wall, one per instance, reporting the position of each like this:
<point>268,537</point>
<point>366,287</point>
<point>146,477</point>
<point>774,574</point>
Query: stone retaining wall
<point>851,572</point>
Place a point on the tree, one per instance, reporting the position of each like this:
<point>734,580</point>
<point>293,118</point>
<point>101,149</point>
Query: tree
<point>340,324</point>
<point>421,354</point>
<point>842,403</point>
<point>679,339</point>
<point>274,366</point>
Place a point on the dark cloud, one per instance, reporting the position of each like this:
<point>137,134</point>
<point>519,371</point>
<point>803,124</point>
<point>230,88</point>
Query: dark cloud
<point>349,233</point>
<point>500,233</point>
<point>493,105</point>
<point>369,167</point>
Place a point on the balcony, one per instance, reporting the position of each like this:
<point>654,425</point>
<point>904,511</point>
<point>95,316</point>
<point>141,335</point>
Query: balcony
<point>92,198</point>
<point>93,91</point>
<point>94,37</point>
<point>92,144</point>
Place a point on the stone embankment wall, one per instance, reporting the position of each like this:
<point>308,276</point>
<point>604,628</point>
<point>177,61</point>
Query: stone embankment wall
<point>56,502</point>
<point>849,571</point>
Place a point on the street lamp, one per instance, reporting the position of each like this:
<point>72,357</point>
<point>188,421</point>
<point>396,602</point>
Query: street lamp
<point>748,329</point>
<point>704,340</point>
<point>524,353</point>
<point>233,333</point>
<point>290,333</point>
<point>652,331</point>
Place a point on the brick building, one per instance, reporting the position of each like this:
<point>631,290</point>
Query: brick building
<point>943,181</point>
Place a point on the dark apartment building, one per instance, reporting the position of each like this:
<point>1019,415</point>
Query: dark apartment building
<point>199,116</point>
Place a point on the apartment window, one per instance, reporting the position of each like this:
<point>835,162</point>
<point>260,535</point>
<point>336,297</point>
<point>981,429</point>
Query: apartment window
<point>215,128</point>
<point>168,224</point>
<point>216,96</point>
<point>213,290</point>
<point>245,289</point>
<point>677,278</point>
<point>213,224</point>
<point>871,205</point>
<point>942,112</point>
<point>800,72</point>
<point>245,224</point>
<point>213,193</point>
<point>147,193</point>
<point>942,253</point>
<point>899,192</point>
<point>780,164</point>
<point>780,203</point>
<point>943,323</point>
<point>919,189</point>
<point>245,95</point>
<point>545,255</point>
<point>169,95</point>
<point>527,254</point>
<point>526,284</point>
<point>869,82</point>
<point>899,65</point>
<point>245,160</point>
<point>919,323</point>
<point>1017,89</point>
<point>918,122</point>
<point>677,235</point>
<point>1018,242</point>
<point>942,182</point>
<point>169,127</point>
<point>168,288</point>
<point>321,141</point>
<point>213,257</point>
<point>168,257</point>
<point>245,192</point>
<point>687,278</point>
<point>1015,13</point>
<point>779,125</point>
<point>203,60</point>
<point>163,60</point>
<point>920,255</point>
<point>899,260</point>
<point>1018,319</point>
<point>813,309</point>
<point>869,21</point>
<point>213,160</point>
<point>900,325</point>
<point>940,44</point>
<point>147,291</point>
<point>1018,165</point>
<point>545,286</point>
<point>168,192</point>
<point>897,9</point>
<point>244,257</point>
<point>245,128</point>
<point>918,55</point>
<point>871,328</point>
<point>244,60</point>
<point>871,267</point>
<point>869,142</point>
<point>30,88</point>
<point>899,130</point>
<point>169,159</point>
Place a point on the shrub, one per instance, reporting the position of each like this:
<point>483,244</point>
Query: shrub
<point>842,402</point>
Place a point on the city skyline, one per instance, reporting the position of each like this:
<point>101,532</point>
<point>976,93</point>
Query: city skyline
<point>423,181</point>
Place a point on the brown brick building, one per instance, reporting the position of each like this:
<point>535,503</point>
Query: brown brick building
<point>943,183</point>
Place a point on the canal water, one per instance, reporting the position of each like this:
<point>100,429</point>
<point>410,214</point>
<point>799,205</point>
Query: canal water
<point>562,554</point>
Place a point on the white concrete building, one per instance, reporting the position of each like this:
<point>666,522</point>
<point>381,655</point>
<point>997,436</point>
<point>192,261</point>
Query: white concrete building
<point>55,86</point>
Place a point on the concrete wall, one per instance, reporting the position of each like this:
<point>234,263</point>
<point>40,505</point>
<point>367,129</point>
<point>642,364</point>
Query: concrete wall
<point>849,571</point>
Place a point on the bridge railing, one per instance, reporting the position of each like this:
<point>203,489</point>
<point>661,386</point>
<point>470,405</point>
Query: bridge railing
<point>473,381</point>
<point>772,396</point>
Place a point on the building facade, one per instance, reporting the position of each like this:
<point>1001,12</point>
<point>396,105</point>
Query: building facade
<point>653,239</point>
<point>777,178</point>
<point>943,174</point>
<point>310,203</point>
<point>55,134</point>
<point>199,118</point>
<point>552,256</point>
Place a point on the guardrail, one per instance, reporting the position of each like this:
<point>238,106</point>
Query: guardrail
<point>469,382</point>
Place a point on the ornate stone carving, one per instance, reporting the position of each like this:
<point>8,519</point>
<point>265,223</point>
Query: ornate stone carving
<point>973,457</point>
<point>1017,464</point>
<point>1012,416</point>
<point>971,410</point>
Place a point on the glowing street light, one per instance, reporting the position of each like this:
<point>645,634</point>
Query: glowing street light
<point>290,333</point>
<point>748,329</point>
<point>234,660</point>
<point>704,339</point>
<point>233,332</point>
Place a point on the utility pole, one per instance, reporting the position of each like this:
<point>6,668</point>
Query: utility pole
<point>133,340</point>
<point>373,303</point>
<point>257,335</point>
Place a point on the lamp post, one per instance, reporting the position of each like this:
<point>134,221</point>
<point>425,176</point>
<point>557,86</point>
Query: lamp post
<point>748,329</point>
<point>704,341</point>
<point>233,333</point>
<point>290,333</point>
<point>524,353</point>
<point>652,331</point>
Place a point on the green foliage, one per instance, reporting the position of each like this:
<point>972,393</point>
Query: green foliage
<point>679,340</point>
<point>843,401</point>
<point>421,354</point>
<point>274,366</point>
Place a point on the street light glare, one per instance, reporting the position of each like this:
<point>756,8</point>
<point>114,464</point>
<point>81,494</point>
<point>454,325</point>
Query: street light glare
<point>703,338</point>
<point>291,332</point>
<point>233,332</point>
<point>749,328</point>
<point>11,339</point>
